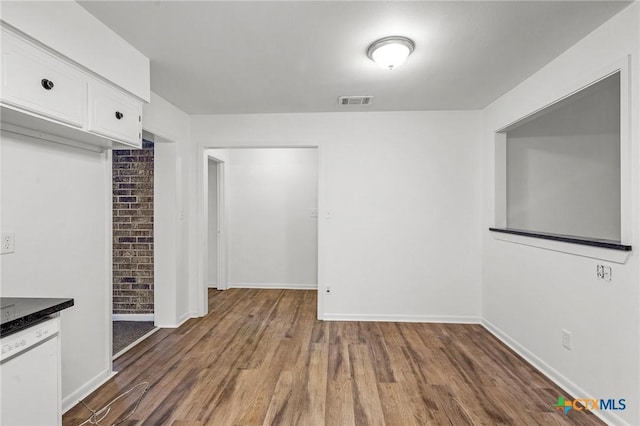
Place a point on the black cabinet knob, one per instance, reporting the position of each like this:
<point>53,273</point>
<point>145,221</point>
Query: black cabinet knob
<point>119,115</point>
<point>47,84</point>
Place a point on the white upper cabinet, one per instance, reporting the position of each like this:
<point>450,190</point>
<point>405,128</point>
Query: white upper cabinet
<point>37,82</point>
<point>114,114</point>
<point>43,92</point>
<point>67,28</point>
<point>55,89</point>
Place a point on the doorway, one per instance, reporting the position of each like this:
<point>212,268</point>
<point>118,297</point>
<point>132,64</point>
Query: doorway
<point>262,230</point>
<point>216,241</point>
<point>133,246</point>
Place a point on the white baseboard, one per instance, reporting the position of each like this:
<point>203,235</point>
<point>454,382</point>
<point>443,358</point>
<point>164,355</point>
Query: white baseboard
<point>183,318</point>
<point>403,318</point>
<point>132,317</point>
<point>552,374</point>
<point>212,285</point>
<point>83,391</point>
<point>277,286</point>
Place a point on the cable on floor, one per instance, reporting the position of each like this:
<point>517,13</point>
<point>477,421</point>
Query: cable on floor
<point>99,415</point>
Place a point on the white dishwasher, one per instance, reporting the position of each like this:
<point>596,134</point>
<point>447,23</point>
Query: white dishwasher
<point>30,376</point>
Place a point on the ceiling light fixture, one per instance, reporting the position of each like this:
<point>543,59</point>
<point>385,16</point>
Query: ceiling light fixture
<point>390,52</point>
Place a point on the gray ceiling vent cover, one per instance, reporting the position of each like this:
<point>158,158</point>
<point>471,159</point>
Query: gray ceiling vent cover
<point>355,100</point>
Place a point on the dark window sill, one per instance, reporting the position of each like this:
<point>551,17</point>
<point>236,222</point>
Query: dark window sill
<point>565,239</point>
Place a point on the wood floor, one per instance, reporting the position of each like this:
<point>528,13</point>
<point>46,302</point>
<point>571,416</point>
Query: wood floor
<point>261,357</point>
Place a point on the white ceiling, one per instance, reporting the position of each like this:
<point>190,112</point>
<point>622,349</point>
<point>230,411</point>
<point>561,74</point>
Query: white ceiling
<point>212,57</point>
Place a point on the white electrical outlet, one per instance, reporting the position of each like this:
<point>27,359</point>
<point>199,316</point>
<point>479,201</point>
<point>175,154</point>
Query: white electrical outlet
<point>8,242</point>
<point>327,290</point>
<point>566,339</point>
<point>606,273</point>
<point>603,272</point>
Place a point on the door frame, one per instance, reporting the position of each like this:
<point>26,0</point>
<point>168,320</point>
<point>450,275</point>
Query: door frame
<point>221,221</point>
<point>199,289</point>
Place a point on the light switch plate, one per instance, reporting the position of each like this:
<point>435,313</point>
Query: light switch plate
<point>566,339</point>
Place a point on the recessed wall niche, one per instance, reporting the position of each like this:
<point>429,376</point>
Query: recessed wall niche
<point>558,170</point>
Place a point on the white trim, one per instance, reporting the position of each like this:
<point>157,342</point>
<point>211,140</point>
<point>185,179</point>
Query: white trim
<point>166,231</point>
<point>108,257</point>
<point>143,337</point>
<point>184,318</point>
<point>500,179</point>
<point>454,319</point>
<point>213,285</point>
<point>551,373</point>
<point>83,391</point>
<point>274,286</point>
<point>576,85</point>
<point>579,83</point>
<point>221,222</point>
<point>199,260</point>
<point>615,256</point>
<point>626,152</point>
<point>321,229</point>
<point>222,231</point>
<point>133,317</point>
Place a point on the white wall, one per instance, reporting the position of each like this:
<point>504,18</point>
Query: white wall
<point>57,200</point>
<point>404,191</point>
<point>563,168</point>
<point>529,294</point>
<point>212,230</point>
<point>272,236</point>
<point>170,126</point>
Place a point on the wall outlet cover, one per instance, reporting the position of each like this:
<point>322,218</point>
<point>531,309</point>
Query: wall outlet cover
<point>606,273</point>
<point>8,242</point>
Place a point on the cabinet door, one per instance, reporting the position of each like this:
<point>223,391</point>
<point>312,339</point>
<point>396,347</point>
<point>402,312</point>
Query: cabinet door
<point>35,81</point>
<point>114,114</point>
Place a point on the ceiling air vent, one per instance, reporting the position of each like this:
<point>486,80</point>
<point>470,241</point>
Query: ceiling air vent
<point>355,100</point>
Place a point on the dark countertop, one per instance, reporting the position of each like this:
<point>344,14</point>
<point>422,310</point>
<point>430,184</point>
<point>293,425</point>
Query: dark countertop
<point>594,242</point>
<point>19,313</point>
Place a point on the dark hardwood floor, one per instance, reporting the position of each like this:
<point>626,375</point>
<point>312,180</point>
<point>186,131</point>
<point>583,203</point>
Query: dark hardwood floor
<point>261,357</point>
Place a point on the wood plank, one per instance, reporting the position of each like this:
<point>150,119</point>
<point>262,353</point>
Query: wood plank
<point>395,402</point>
<point>339,405</point>
<point>366,399</point>
<point>262,357</point>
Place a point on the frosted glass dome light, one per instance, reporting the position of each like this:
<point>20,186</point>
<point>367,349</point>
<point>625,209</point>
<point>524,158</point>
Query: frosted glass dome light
<point>390,52</point>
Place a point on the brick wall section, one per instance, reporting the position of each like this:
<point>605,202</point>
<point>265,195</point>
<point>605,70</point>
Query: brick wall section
<point>133,230</point>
